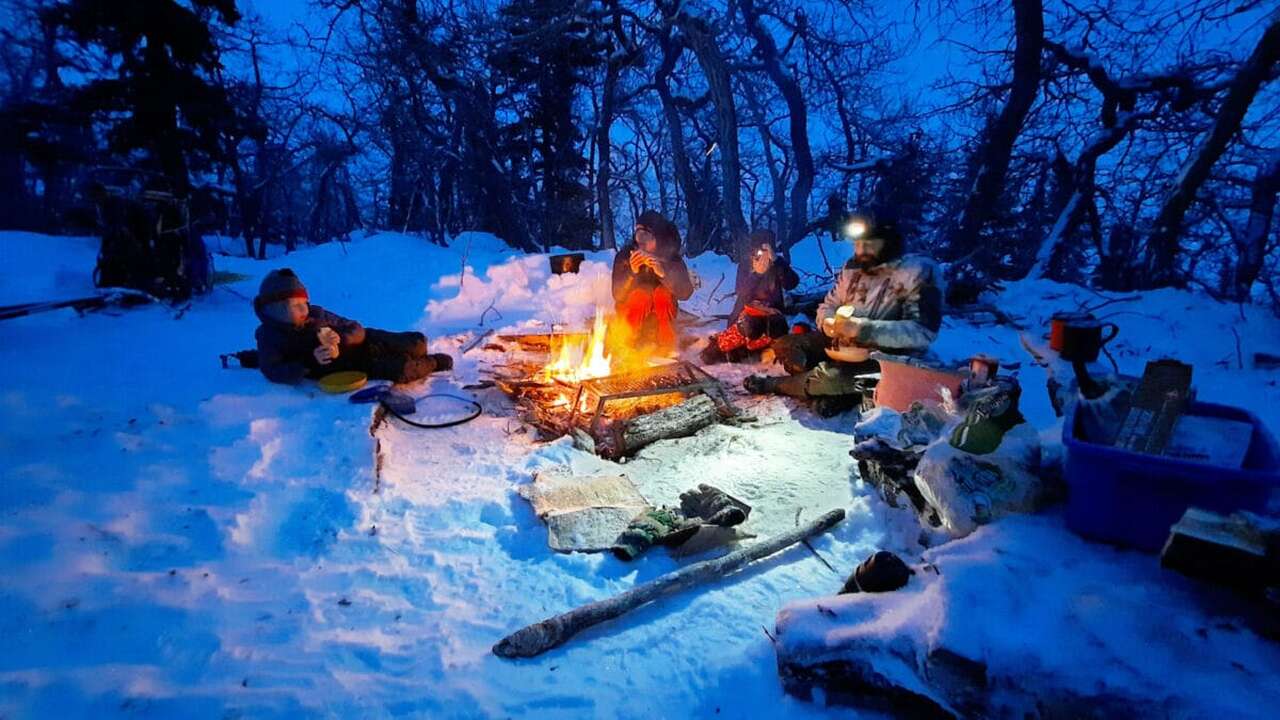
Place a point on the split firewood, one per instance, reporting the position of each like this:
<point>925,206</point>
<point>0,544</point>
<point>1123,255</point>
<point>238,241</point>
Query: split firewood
<point>542,342</point>
<point>540,637</point>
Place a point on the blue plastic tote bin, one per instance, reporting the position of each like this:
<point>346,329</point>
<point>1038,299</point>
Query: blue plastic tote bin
<point>1132,499</point>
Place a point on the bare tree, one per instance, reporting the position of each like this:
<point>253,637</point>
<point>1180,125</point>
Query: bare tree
<point>793,227</point>
<point>699,37</point>
<point>1002,129</point>
<point>1253,246</point>
<point>1163,242</point>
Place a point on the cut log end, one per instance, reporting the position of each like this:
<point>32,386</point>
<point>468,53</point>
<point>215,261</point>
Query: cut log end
<point>531,641</point>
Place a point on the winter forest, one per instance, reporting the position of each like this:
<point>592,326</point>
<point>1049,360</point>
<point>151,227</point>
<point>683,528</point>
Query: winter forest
<point>1133,140</point>
<point>641,359</point>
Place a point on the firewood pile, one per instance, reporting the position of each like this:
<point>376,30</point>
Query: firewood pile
<point>616,415</point>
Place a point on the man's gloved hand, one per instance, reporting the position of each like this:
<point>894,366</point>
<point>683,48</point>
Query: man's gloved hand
<point>637,260</point>
<point>762,260</point>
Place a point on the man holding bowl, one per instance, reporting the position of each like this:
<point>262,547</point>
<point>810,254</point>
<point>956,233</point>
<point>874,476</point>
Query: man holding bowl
<point>882,300</point>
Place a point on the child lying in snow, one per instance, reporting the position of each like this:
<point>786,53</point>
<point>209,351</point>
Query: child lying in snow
<point>297,340</point>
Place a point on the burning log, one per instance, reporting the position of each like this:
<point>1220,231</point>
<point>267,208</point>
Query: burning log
<point>544,342</point>
<point>540,637</point>
<point>616,415</point>
<point>612,399</point>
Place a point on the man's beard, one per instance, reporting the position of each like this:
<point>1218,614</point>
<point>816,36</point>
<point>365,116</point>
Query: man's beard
<point>866,261</point>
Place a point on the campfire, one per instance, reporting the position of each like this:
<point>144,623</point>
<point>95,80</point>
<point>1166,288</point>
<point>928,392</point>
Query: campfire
<point>611,396</point>
<point>580,357</point>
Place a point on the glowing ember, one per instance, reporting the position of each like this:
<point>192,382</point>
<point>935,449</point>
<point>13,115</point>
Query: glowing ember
<point>578,360</point>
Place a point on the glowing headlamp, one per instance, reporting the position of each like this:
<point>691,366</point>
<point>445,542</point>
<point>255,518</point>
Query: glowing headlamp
<point>855,229</point>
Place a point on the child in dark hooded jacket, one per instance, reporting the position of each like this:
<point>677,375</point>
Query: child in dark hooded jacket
<point>650,279</point>
<point>299,340</point>
<point>758,312</point>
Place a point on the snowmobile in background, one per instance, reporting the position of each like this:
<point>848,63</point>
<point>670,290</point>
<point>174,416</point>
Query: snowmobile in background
<point>147,239</point>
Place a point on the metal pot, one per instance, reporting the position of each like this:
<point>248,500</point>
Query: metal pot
<point>567,263</point>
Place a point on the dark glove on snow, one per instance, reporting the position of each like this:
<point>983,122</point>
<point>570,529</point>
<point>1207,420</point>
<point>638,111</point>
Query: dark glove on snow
<point>714,506</point>
<point>664,526</point>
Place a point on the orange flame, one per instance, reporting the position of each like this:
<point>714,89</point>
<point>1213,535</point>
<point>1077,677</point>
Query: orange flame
<point>577,360</point>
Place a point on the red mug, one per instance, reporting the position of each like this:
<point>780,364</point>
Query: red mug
<point>1079,337</point>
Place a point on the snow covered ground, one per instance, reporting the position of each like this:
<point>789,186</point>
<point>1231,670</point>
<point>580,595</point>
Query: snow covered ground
<point>179,539</point>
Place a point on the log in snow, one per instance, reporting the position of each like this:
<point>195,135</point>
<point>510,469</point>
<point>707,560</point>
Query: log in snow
<point>625,437</point>
<point>540,637</point>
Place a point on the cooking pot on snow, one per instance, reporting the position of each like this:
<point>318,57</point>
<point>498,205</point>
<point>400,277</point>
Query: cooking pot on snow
<point>567,263</point>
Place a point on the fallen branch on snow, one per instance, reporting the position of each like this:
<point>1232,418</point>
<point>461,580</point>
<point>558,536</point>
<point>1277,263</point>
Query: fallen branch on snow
<point>477,341</point>
<point>540,637</point>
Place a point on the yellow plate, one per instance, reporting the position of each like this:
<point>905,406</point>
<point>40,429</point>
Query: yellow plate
<point>343,382</point>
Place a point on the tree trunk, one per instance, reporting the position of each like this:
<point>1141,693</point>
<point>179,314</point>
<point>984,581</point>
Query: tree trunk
<point>697,204</point>
<point>159,115</point>
<point>790,230</point>
<point>1003,129</point>
<point>1256,233</point>
<point>1162,248</point>
<point>400,195</point>
<point>1077,205</point>
<point>703,44</point>
<point>604,155</point>
<point>553,632</point>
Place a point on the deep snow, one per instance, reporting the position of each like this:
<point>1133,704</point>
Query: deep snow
<point>180,539</point>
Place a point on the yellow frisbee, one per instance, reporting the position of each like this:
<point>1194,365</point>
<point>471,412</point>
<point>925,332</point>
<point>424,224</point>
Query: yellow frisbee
<point>343,382</point>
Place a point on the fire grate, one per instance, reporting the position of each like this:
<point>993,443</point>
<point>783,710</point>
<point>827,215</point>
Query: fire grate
<point>683,378</point>
<point>614,416</point>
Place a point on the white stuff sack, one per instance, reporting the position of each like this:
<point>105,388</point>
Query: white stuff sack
<point>969,490</point>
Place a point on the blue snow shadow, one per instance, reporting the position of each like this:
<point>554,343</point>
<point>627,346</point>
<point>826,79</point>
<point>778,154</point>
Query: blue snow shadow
<point>27,549</point>
<point>313,524</point>
<point>192,537</point>
<point>520,534</point>
<point>168,637</point>
<point>64,699</point>
<point>19,493</point>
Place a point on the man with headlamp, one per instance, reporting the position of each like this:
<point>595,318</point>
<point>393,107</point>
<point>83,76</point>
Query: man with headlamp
<point>882,300</point>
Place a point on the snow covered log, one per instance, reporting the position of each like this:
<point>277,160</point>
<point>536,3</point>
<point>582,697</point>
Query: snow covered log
<point>540,637</point>
<point>1024,619</point>
<point>624,437</point>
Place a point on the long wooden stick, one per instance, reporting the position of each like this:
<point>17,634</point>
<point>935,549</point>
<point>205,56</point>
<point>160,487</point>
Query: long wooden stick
<point>477,341</point>
<point>540,637</point>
